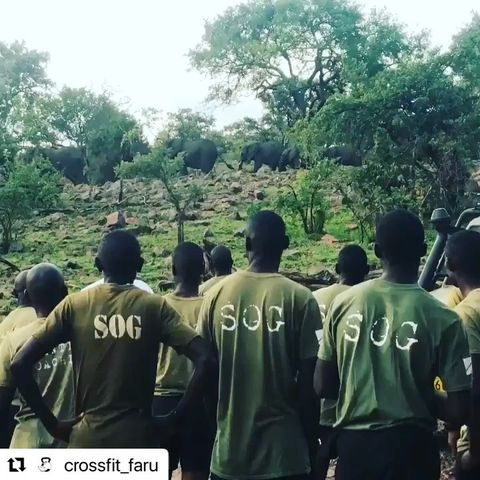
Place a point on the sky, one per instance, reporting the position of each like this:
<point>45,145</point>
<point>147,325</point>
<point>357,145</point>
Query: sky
<point>137,48</point>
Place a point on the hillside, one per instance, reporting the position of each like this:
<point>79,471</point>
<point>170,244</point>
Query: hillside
<point>69,237</point>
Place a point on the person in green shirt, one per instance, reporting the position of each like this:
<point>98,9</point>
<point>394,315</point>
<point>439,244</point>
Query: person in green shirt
<point>384,343</point>
<point>221,264</point>
<point>191,444</point>
<point>21,316</point>
<point>115,331</point>
<point>262,327</point>
<point>24,313</point>
<point>352,268</point>
<point>463,265</point>
<point>46,288</point>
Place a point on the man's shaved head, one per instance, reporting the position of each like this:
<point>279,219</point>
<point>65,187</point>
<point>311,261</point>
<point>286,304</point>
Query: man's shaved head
<point>120,256</point>
<point>221,260</point>
<point>188,263</point>
<point>266,235</point>
<point>45,287</point>
<point>20,287</point>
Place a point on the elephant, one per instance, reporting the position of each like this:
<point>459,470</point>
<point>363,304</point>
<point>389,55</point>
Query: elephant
<point>344,155</point>
<point>262,153</point>
<point>199,154</point>
<point>290,158</point>
<point>68,160</point>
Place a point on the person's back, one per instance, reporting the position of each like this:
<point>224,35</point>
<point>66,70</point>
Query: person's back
<point>115,330</point>
<point>389,338</point>
<point>53,373</point>
<point>384,343</point>
<point>263,326</point>
<point>54,376</point>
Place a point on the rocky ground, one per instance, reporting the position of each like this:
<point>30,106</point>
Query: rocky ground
<point>69,237</point>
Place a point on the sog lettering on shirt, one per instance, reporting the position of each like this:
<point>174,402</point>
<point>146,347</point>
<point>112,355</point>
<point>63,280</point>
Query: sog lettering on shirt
<point>117,327</point>
<point>252,318</point>
<point>380,331</point>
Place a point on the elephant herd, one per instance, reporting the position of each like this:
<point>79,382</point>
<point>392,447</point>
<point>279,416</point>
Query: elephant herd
<point>203,154</point>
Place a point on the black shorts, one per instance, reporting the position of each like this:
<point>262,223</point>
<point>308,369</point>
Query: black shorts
<point>396,453</point>
<point>192,443</point>
<point>327,450</point>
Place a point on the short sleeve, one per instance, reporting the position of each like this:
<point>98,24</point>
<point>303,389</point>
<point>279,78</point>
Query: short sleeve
<point>203,325</point>
<point>471,324</point>
<point>6,355</point>
<point>173,331</point>
<point>56,328</point>
<point>454,363</point>
<point>327,351</point>
<point>309,329</point>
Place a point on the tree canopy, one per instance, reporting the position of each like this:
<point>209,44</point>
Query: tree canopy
<point>295,54</point>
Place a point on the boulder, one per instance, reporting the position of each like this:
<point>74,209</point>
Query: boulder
<point>240,233</point>
<point>55,217</point>
<point>259,195</point>
<point>236,187</point>
<point>116,220</point>
<point>235,216</point>
<point>208,233</point>
<point>17,247</point>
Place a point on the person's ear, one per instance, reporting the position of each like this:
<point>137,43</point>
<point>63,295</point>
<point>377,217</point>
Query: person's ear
<point>174,270</point>
<point>64,292</point>
<point>423,250</point>
<point>27,296</point>
<point>378,251</point>
<point>286,242</point>
<point>367,268</point>
<point>248,244</point>
<point>98,265</point>
<point>141,262</point>
<point>337,269</point>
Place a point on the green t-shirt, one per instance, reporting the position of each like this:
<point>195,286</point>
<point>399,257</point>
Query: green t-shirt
<point>174,371</point>
<point>20,317</point>
<point>262,326</point>
<point>469,311</point>
<point>325,297</point>
<point>206,286</point>
<point>115,332</point>
<point>390,341</point>
<point>54,377</point>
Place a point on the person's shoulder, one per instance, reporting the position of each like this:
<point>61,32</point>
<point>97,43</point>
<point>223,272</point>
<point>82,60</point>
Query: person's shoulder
<point>18,337</point>
<point>469,308</point>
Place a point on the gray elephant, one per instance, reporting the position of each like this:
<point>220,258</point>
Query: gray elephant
<point>198,154</point>
<point>290,158</point>
<point>344,155</point>
<point>68,160</point>
<point>262,153</point>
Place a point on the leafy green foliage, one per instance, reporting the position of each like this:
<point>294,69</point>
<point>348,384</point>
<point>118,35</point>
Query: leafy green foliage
<point>24,188</point>
<point>295,54</point>
<point>308,199</point>
<point>157,165</point>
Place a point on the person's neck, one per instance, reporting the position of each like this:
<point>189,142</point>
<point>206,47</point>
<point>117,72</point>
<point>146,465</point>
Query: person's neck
<point>350,282</point>
<point>186,289</point>
<point>119,280</point>
<point>259,264</point>
<point>223,273</point>
<point>43,312</point>
<point>466,286</point>
<point>401,274</point>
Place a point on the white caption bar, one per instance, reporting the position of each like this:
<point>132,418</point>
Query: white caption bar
<point>61,464</point>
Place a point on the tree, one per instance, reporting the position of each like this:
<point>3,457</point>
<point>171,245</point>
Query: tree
<point>465,53</point>
<point>22,80</point>
<point>24,188</point>
<point>96,125</point>
<point>306,200</point>
<point>295,54</point>
<point>185,124</point>
<point>417,130</point>
<point>157,165</point>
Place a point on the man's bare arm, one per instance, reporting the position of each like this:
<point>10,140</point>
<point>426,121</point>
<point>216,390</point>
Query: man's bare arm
<point>474,422</point>
<point>309,408</point>
<point>6,397</point>
<point>198,351</point>
<point>326,380</point>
